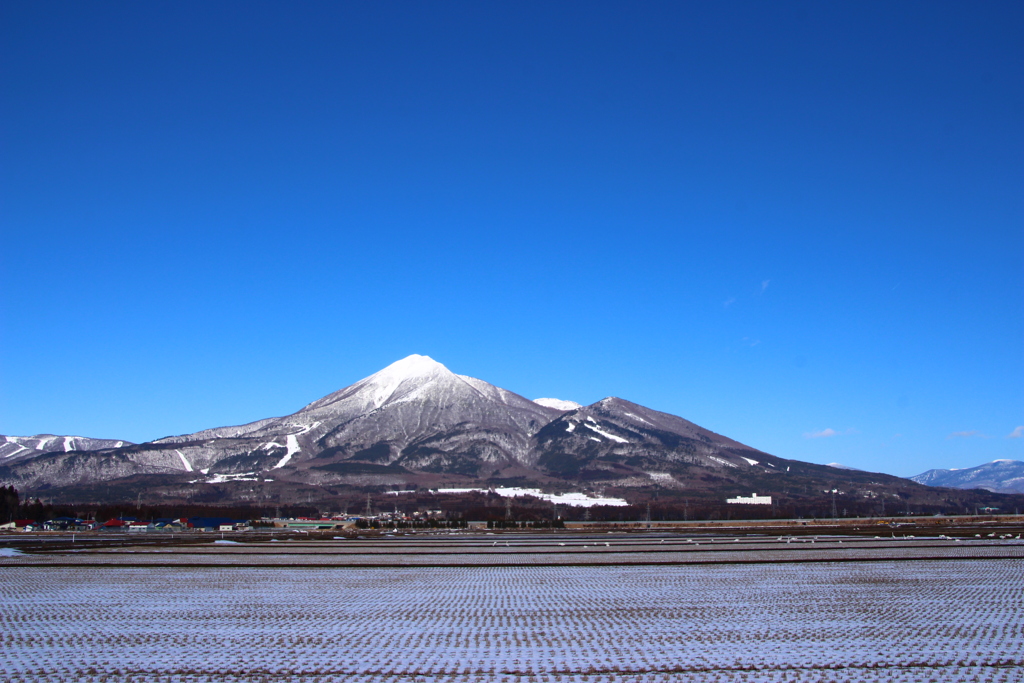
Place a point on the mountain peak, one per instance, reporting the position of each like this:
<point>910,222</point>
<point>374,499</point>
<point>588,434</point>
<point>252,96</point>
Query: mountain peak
<point>557,404</point>
<point>412,366</point>
<point>401,377</point>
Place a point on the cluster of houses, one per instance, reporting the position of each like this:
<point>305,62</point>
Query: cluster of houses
<point>753,499</point>
<point>130,524</point>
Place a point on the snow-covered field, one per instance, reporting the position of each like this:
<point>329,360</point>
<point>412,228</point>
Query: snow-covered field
<point>918,620</point>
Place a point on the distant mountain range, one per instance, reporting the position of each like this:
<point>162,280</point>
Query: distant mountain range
<point>1000,476</point>
<point>416,425</point>
<point>14,448</point>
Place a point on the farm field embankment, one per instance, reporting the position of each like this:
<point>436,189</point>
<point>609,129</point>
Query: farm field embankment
<point>553,607</point>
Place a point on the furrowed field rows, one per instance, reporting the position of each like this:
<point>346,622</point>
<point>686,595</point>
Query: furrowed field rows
<point>948,620</point>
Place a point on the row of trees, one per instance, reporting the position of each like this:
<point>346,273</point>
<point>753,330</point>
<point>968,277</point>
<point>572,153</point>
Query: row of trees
<point>12,508</point>
<point>536,524</point>
<point>536,513</point>
<point>9,503</point>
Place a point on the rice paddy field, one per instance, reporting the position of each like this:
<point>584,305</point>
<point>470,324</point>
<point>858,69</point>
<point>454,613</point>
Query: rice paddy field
<point>542,608</point>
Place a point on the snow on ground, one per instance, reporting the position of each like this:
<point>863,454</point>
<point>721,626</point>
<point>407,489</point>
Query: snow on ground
<point>876,622</point>
<point>186,463</point>
<point>222,478</point>
<point>606,435</point>
<point>751,461</point>
<point>293,445</point>
<point>574,499</point>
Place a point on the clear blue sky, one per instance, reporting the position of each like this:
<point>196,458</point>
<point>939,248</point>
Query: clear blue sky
<point>774,219</point>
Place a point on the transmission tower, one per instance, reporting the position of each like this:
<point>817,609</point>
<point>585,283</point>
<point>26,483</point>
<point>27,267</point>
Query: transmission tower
<point>508,510</point>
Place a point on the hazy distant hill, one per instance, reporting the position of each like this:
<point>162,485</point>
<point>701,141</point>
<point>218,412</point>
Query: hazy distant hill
<point>1002,476</point>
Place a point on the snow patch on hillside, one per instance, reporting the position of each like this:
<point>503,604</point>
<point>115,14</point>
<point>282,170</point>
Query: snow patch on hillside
<point>186,463</point>
<point>224,478</point>
<point>572,498</point>
<point>292,440</point>
<point>606,435</point>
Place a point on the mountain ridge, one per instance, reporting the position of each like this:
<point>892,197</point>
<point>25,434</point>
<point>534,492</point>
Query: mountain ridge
<point>999,476</point>
<point>416,425</point>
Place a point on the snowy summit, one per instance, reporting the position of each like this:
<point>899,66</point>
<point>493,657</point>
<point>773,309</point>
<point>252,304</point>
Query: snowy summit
<point>557,403</point>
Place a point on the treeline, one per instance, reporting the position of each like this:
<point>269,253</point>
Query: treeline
<point>11,508</point>
<point>9,503</point>
<point>513,524</point>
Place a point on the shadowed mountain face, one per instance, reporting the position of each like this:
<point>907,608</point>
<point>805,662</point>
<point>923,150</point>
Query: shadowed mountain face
<point>616,439</point>
<point>1001,476</point>
<point>417,424</point>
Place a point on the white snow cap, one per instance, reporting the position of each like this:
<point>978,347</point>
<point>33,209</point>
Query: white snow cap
<point>557,403</point>
<point>412,370</point>
<point>412,366</point>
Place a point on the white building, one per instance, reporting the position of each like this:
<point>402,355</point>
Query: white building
<point>754,499</point>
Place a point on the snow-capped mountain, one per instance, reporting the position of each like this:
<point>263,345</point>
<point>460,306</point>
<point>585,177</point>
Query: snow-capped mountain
<point>415,424</point>
<point>1001,476</point>
<point>557,403</point>
<point>616,439</point>
<point>414,414</point>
